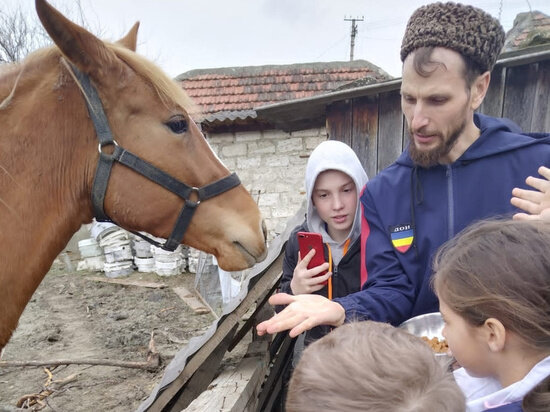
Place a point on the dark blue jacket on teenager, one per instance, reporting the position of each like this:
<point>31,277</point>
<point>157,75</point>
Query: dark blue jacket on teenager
<point>410,211</point>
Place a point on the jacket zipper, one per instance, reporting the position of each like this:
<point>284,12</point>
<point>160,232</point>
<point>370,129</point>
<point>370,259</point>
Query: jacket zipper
<point>451,211</point>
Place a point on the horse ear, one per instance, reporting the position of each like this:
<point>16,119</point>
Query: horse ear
<point>130,40</point>
<point>81,47</point>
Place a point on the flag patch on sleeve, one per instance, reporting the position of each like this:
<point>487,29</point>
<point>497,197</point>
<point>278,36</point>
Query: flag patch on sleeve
<point>402,237</point>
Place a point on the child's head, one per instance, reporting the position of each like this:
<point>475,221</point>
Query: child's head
<point>335,198</point>
<point>494,277</point>
<point>371,366</point>
<point>334,179</point>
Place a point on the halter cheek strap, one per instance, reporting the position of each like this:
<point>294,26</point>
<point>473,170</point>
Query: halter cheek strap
<point>128,159</point>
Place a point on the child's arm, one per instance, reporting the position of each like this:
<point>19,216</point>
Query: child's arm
<point>302,313</point>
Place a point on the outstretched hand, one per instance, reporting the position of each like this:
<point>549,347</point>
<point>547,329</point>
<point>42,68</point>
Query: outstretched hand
<point>535,202</point>
<point>302,313</point>
<point>306,280</point>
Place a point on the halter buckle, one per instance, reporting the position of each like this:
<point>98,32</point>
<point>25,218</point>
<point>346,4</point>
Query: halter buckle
<point>193,203</point>
<point>101,145</point>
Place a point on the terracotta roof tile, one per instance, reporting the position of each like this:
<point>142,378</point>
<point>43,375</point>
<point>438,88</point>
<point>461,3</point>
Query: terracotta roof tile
<point>530,29</point>
<point>220,92</point>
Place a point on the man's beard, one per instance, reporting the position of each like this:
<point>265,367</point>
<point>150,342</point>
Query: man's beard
<point>428,158</point>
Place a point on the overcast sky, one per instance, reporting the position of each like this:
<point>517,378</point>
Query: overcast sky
<point>181,35</point>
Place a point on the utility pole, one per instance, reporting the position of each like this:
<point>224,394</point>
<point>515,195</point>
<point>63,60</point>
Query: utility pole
<point>353,34</point>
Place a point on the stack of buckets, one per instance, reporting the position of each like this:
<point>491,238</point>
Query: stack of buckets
<point>168,263</point>
<point>143,256</point>
<point>116,252</point>
<point>91,254</point>
<point>119,260</point>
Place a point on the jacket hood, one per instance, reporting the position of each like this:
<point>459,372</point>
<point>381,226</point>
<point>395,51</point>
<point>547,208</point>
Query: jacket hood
<point>497,135</point>
<point>333,155</point>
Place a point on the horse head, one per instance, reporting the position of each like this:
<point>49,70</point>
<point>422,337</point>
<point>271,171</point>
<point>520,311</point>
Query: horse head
<point>148,115</point>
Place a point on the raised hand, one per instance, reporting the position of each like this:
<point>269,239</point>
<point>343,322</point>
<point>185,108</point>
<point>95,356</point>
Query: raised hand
<point>535,202</point>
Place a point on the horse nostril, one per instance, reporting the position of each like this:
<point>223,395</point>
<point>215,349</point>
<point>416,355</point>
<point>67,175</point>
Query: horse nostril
<point>264,230</point>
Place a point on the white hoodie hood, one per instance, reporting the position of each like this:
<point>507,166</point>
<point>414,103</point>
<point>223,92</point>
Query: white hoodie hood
<point>333,155</point>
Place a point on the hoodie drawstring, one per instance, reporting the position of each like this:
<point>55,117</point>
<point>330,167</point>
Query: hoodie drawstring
<point>346,247</point>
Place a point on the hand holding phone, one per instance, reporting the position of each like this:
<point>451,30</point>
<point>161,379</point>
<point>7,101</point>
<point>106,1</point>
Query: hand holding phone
<point>308,241</point>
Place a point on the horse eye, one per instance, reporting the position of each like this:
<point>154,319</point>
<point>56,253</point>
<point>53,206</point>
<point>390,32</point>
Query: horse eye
<point>178,125</point>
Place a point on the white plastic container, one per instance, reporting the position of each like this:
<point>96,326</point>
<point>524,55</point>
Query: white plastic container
<point>89,248</point>
<point>118,269</point>
<point>145,264</point>
<point>118,253</point>
<point>142,248</point>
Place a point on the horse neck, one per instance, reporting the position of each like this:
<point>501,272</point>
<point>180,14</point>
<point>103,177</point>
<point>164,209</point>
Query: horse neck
<point>44,183</point>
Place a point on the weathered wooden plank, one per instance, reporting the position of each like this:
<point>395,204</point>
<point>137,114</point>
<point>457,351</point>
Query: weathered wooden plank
<point>541,109</point>
<point>217,344</point>
<point>191,300</point>
<point>520,94</point>
<point>390,129</point>
<point>365,132</point>
<point>235,390</point>
<point>492,104</point>
<point>281,363</point>
<point>339,121</point>
<point>130,282</point>
<point>200,380</point>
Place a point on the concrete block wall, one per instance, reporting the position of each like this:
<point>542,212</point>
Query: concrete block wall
<point>271,165</point>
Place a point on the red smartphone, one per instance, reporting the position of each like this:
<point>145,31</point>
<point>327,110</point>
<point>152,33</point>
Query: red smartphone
<point>308,241</point>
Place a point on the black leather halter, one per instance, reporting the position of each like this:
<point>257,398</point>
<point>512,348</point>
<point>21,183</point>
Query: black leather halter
<point>128,159</point>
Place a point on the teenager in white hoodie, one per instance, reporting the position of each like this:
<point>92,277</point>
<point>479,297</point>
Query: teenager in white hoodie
<point>334,181</point>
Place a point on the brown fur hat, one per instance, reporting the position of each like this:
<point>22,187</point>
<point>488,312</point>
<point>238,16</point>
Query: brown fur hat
<point>465,29</point>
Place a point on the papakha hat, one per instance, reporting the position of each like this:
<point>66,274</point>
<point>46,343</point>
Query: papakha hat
<point>465,29</point>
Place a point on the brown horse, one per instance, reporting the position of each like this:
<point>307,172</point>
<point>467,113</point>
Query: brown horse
<point>49,156</point>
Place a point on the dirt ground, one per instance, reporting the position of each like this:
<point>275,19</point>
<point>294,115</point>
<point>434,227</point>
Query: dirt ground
<point>71,316</point>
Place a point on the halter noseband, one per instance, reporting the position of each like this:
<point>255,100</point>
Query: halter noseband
<point>128,159</point>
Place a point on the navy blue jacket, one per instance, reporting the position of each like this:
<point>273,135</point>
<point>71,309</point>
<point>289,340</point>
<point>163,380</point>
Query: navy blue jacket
<point>410,211</point>
<point>510,407</point>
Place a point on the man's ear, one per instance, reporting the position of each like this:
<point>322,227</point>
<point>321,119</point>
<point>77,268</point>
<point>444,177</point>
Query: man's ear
<point>479,89</point>
<point>495,334</point>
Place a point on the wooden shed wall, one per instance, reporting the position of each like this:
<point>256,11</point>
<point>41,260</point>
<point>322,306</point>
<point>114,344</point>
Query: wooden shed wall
<point>373,125</point>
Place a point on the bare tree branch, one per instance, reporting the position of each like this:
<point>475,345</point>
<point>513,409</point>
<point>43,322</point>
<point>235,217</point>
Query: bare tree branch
<point>19,35</point>
<point>21,31</point>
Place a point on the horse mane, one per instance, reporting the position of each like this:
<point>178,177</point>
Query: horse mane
<point>166,88</point>
<point>10,73</point>
<point>163,85</point>
<point>7,70</point>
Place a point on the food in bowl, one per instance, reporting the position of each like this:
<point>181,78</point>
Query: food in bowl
<point>437,345</point>
<point>430,326</point>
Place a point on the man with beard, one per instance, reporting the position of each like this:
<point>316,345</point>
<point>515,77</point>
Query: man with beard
<point>459,167</point>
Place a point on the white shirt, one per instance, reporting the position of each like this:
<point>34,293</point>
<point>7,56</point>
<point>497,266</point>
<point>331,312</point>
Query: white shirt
<point>485,393</point>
